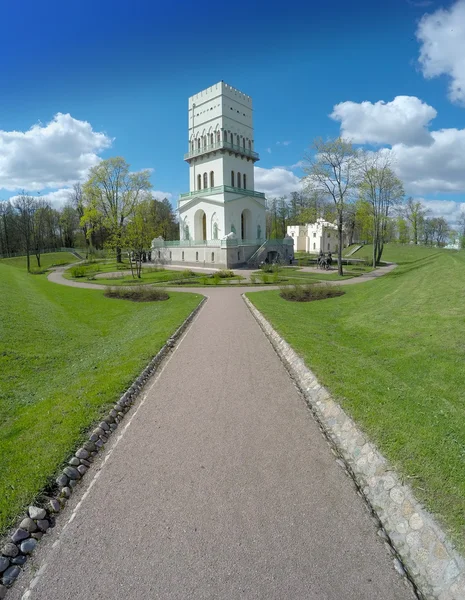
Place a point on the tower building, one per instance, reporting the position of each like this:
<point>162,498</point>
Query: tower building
<point>221,158</point>
<point>222,219</point>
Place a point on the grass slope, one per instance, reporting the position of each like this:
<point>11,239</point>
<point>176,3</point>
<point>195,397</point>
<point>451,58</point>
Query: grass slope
<point>393,350</point>
<point>52,259</point>
<point>65,354</point>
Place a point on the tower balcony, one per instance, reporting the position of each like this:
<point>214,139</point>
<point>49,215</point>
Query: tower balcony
<point>221,146</point>
<point>221,189</point>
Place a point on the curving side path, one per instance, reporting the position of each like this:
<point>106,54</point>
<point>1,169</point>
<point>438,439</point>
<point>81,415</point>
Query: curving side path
<point>56,276</point>
<point>220,486</point>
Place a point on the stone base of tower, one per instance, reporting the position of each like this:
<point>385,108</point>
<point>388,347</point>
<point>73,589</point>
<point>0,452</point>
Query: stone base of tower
<point>222,254</point>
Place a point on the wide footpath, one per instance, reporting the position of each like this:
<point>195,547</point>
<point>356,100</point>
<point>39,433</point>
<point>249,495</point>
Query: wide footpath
<point>218,485</point>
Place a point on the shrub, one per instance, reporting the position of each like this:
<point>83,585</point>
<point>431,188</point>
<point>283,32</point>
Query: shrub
<point>253,278</point>
<point>80,271</point>
<point>265,278</point>
<point>269,268</point>
<point>225,273</point>
<point>309,292</point>
<point>38,271</point>
<point>187,273</point>
<point>137,293</point>
<point>216,278</point>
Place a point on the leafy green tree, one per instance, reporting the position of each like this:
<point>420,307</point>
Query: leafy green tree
<point>137,236</point>
<point>113,192</point>
<point>415,213</point>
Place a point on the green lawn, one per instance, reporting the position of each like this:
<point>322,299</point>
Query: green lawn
<point>148,276</point>
<point>393,351</point>
<point>65,355</point>
<point>46,260</point>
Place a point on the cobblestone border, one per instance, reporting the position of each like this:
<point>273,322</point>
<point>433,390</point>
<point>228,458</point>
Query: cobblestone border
<point>22,541</point>
<point>423,553</point>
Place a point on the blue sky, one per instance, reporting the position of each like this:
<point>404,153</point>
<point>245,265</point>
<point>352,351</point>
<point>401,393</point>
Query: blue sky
<point>123,71</point>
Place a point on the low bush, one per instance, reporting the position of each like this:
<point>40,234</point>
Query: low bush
<point>225,273</point>
<point>38,271</point>
<point>216,278</point>
<point>309,292</point>
<point>187,273</point>
<point>269,268</point>
<point>79,271</point>
<point>139,293</point>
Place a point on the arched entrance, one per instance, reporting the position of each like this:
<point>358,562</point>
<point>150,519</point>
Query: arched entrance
<point>200,225</point>
<point>246,224</point>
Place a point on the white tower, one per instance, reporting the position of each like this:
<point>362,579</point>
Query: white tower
<point>221,157</point>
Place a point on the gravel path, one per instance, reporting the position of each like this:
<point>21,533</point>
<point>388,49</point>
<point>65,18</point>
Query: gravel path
<point>219,486</point>
<point>56,276</point>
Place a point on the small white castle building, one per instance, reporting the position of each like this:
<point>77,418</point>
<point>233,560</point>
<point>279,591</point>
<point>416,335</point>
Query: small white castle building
<point>222,218</point>
<point>314,237</point>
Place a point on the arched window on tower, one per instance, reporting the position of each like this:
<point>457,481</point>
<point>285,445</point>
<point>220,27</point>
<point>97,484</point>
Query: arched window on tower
<point>205,181</point>
<point>212,179</point>
<point>232,139</point>
<point>243,142</point>
<point>232,178</point>
<point>238,137</point>
<point>218,136</point>
<point>244,181</point>
<point>250,144</point>
<point>225,135</point>
<point>192,145</point>
<point>198,143</point>
<point>212,141</point>
<point>199,182</point>
<point>238,180</point>
<point>204,141</point>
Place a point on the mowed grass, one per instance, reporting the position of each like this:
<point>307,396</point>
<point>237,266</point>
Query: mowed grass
<point>65,355</point>
<point>46,260</point>
<point>147,276</point>
<point>393,352</point>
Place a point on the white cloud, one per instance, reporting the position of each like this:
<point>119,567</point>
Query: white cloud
<point>268,150</point>
<point>276,181</point>
<point>442,51</point>
<point>159,195</point>
<point>298,165</point>
<point>56,199</point>
<point>49,156</point>
<point>450,210</point>
<point>402,121</point>
<point>435,168</point>
<point>286,143</point>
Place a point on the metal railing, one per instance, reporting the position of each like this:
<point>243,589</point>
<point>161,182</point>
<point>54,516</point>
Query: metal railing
<point>223,145</point>
<point>220,189</point>
<point>227,243</point>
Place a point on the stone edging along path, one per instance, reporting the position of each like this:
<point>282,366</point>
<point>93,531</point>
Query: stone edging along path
<point>431,563</point>
<point>17,547</point>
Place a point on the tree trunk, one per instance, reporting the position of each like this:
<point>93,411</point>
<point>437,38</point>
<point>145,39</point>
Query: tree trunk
<point>339,248</point>
<point>28,258</point>
<point>38,258</point>
<point>118,255</point>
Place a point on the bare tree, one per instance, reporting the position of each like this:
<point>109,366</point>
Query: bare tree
<point>39,223</point>
<point>25,207</point>
<point>334,171</point>
<point>382,190</point>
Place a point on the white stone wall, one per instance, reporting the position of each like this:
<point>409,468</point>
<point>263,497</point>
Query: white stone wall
<point>314,237</point>
<point>254,218</point>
